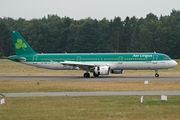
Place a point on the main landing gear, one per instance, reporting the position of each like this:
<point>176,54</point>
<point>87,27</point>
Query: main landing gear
<point>86,75</point>
<point>156,73</point>
<point>95,75</point>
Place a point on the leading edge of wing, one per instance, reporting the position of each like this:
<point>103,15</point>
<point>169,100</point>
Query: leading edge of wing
<point>73,63</point>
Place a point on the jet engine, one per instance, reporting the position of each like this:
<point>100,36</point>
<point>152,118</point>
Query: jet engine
<point>102,70</point>
<point>117,71</point>
<point>22,59</point>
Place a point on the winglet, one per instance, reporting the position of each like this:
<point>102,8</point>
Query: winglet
<point>20,45</point>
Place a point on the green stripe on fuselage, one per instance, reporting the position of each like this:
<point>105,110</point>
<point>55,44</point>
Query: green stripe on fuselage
<point>91,57</point>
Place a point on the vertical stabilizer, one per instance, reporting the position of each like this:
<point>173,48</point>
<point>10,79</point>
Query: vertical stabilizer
<point>20,45</point>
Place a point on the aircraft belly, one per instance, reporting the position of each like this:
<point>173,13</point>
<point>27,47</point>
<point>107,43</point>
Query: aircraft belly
<point>141,66</point>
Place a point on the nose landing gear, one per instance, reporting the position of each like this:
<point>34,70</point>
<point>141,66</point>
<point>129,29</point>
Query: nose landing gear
<point>156,73</point>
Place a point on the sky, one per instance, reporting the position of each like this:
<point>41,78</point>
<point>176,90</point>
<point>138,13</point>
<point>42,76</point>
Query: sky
<point>82,9</point>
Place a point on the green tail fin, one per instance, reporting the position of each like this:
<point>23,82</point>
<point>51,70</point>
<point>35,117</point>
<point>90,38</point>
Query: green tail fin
<point>20,45</point>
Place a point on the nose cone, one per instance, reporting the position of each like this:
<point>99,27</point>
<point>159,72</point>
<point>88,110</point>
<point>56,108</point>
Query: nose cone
<point>174,63</point>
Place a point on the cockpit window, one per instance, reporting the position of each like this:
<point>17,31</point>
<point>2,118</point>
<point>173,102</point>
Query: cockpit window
<point>167,58</point>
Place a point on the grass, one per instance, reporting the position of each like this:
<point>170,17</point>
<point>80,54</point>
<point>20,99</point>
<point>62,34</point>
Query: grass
<point>59,86</point>
<point>85,108</point>
<point>91,108</point>
<point>12,68</point>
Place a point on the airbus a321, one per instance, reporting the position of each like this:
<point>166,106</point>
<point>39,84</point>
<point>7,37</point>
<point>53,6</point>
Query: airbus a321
<point>97,63</point>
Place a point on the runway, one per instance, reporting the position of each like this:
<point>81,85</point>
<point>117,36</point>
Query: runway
<point>101,78</point>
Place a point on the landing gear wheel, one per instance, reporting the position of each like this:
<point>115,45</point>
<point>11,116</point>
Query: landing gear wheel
<point>156,75</point>
<point>86,75</point>
<point>95,75</point>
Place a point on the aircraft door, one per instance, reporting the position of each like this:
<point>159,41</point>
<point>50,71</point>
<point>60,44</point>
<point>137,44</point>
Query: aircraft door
<point>78,58</point>
<point>35,59</point>
<point>155,57</point>
<point>120,59</point>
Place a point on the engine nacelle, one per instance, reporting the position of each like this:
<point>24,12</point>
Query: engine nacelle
<point>22,59</point>
<point>102,70</point>
<point>117,71</point>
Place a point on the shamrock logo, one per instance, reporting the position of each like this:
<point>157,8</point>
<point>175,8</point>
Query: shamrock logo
<point>20,44</point>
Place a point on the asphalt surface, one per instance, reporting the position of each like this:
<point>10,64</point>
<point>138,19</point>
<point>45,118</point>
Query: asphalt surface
<point>101,78</point>
<point>125,93</point>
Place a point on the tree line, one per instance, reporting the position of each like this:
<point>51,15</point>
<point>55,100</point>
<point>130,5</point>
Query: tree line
<point>53,34</point>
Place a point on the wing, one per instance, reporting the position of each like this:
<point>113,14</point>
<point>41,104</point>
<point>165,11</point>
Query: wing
<point>80,65</point>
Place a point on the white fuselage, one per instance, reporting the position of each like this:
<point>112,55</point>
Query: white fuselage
<point>125,65</point>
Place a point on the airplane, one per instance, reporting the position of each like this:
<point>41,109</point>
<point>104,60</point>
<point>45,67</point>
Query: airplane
<point>97,63</point>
